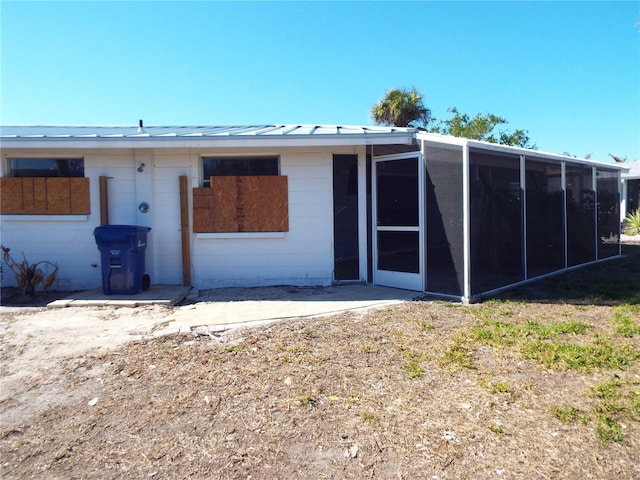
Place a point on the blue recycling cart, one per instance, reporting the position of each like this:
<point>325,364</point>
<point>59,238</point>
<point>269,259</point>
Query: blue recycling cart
<point>122,251</point>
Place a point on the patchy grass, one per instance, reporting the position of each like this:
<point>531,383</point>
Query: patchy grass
<point>569,414</point>
<point>534,381</point>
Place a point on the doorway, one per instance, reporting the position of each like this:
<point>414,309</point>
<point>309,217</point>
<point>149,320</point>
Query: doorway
<point>346,254</point>
<point>398,229</point>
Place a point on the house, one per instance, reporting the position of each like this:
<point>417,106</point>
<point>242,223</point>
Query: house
<point>630,188</point>
<point>306,205</point>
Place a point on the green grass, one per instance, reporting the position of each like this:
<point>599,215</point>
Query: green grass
<point>626,319</point>
<point>369,417</point>
<point>500,388</point>
<point>497,429</point>
<point>413,362</point>
<point>569,414</point>
<point>562,341</point>
<point>614,281</point>
<point>457,355</point>
<point>608,430</point>
<point>502,333</point>
<point>604,354</point>
<point>550,345</point>
<point>307,400</point>
<point>353,398</point>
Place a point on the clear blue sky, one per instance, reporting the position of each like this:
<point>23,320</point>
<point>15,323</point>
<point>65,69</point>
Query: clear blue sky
<point>569,73</point>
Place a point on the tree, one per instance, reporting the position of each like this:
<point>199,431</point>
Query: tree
<point>401,108</point>
<point>481,127</point>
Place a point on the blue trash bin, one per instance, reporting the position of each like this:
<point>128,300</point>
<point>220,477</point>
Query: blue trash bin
<point>122,251</point>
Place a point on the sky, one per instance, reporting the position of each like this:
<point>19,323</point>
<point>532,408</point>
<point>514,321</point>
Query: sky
<point>567,72</point>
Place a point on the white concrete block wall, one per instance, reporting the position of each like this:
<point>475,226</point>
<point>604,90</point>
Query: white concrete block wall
<point>303,256</point>
<point>69,240</point>
<point>69,244</point>
<point>165,245</point>
<point>120,169</point>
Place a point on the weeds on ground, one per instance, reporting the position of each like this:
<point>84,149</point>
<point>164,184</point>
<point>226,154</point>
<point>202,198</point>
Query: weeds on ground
<point>413,362</point>
<point>307,400</point>
<point>569,414</point>
<point>497,429</point>
<point>569,344</point>
<point>626,319</point>
<point>618,400</point>
<point>369,417</point>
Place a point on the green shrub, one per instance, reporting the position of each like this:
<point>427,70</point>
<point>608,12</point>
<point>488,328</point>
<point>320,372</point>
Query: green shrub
<point>631,224</point>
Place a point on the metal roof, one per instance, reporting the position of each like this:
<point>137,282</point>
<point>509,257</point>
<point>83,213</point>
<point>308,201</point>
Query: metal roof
<point>634,170</point>
<point>262,136</point>
<point>185,132</point>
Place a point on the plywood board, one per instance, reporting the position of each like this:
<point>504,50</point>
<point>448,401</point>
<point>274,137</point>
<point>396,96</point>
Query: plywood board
<point>28,205</point>
<point>80,201</point>
<point>202,198</point>
<point>58,196</point>
<point>184,229</point>
<point>103,183</point>
<point>10,196</point>
<point>242,204</point>
<point>40,195</point>
<point>202,210</point>
<point>265,204</point>
<point>225,203</point>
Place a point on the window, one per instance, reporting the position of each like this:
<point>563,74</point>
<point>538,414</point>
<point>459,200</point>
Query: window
<point>241,194</point>
<point>46,167</point>
<point>238,167</point>
<point>45,186</point>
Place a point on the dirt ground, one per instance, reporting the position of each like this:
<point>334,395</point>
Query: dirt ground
<point>90,393</point>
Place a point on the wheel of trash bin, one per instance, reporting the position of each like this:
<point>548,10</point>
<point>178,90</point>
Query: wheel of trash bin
<point>146,282</point>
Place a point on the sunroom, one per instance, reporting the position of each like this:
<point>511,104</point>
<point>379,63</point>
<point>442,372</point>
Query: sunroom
<point>463,219</point>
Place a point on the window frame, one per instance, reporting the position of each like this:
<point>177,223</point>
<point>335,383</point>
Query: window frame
<point>14,172</point>
<point>248,160</point>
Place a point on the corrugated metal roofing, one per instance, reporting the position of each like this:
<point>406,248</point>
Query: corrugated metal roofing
<point>186,132</point>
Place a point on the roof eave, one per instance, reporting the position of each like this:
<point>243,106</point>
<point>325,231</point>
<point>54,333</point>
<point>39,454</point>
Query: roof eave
<point>387,138</point>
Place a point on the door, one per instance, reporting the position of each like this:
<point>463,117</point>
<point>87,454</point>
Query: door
<point>346,254</point>
<point>398,226</point>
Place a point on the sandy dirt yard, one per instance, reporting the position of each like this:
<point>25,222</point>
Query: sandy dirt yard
<point>36,341</point>
<point>542,383</point>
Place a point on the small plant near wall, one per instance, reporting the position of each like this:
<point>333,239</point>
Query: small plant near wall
<point>30,275</point>
<point>631,224</point>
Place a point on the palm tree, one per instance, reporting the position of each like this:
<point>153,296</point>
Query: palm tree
<point>401,108</point>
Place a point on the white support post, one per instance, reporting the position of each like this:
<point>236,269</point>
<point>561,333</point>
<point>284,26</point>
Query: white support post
<point>523,192</point>
<point>594,186</point>
<point>466,222</point>
<point>565,233</point>
<point>362,213</point>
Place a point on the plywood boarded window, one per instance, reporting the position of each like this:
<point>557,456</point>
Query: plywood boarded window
<point>44,196</point>
<point>242,204</point>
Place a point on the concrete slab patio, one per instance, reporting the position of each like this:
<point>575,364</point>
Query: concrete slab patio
<point>156,295</point>
<point>224,308</point>
<point>226,312</point>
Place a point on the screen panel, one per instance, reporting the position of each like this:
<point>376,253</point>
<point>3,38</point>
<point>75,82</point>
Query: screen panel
<point>495,220</point>
<point>545,216</point>
<point>581,228</point>
<point>607,184</point>
<point>444,220</point>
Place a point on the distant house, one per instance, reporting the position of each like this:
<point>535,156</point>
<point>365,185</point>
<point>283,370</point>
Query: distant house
<point>630,188</point>
<point>306,205</point>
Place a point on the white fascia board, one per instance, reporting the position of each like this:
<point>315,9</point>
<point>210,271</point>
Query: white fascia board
<point>203,142</point>
<point>527,152</point>
<point>496,147</point>
<point>439,138</point>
